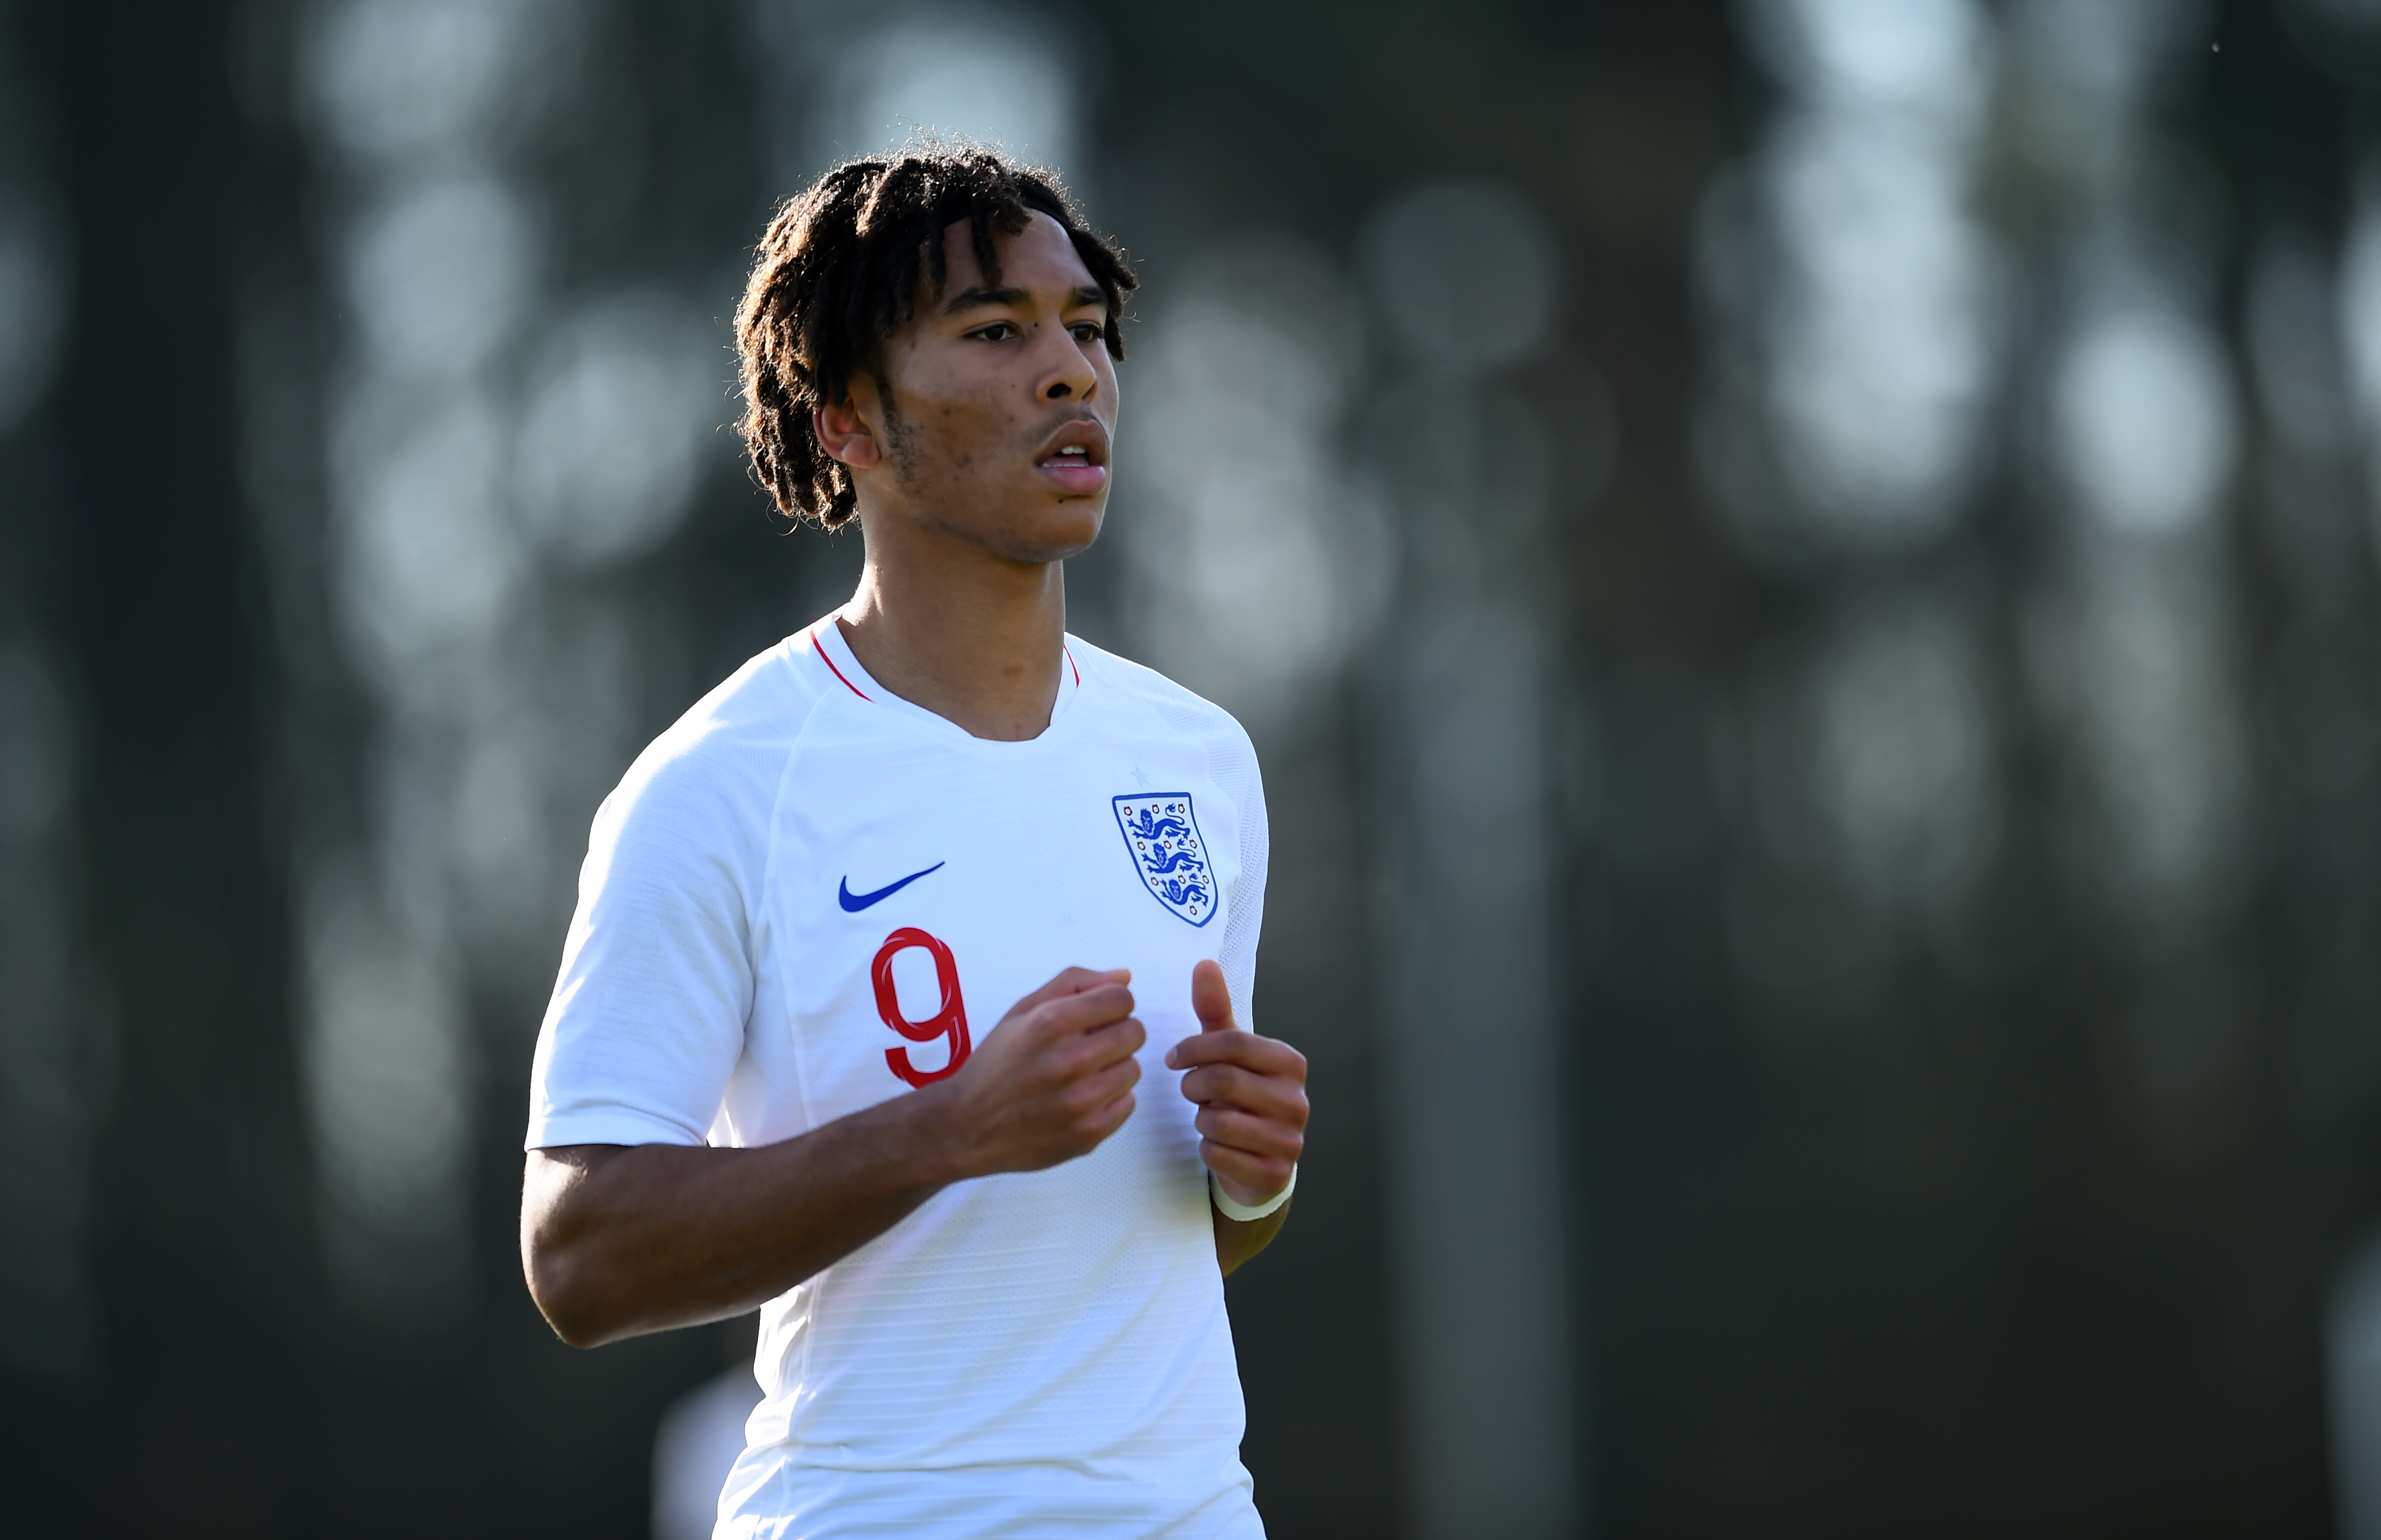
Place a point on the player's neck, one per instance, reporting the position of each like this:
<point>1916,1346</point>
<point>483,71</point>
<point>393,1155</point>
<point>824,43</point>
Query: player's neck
<point>979,643</point>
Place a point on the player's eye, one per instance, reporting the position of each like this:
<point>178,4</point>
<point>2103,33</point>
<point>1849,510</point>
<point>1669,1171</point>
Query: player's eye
<point>1088,331</point>
<point>999,331</point>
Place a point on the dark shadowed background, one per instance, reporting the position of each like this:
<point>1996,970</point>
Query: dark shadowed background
<point>1804,572</point>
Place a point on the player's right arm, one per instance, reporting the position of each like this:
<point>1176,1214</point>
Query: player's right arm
<point>617,1239</point>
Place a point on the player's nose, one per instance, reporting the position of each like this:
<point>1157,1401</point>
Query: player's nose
<point>1067,374</point>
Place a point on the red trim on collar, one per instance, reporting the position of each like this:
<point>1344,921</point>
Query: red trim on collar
<point>1070,663</point>
<point>820,648</point>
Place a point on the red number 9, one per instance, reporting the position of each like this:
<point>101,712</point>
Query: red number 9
<point>949,1019</point>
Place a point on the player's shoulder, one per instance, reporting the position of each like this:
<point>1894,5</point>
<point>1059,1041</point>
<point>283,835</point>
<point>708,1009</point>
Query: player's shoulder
<point>731,746</point>
<point>1231,757</point>
<point>1183,709</point>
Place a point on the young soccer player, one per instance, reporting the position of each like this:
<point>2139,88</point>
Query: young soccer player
<point>990,1267</point>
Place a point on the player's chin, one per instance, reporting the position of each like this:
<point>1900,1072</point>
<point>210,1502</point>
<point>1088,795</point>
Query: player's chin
<point>1049,531</point>
<point>1070,524</point>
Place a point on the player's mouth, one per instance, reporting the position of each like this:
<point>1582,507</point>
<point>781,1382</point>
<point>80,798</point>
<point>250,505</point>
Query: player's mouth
<point>1075,459</point>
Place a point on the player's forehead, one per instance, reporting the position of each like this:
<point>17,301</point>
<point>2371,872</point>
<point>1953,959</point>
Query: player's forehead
<point>1040,260</point>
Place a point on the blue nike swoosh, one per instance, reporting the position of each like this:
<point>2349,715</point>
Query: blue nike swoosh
<point>854,902</point>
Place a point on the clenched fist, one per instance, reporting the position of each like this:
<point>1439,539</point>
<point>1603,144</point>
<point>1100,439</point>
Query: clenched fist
<point>1251,1093</point>
<point>1052,1081</point>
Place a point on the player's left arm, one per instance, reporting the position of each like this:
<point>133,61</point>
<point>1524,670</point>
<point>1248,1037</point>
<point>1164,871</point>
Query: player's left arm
<point>1251,1093</point>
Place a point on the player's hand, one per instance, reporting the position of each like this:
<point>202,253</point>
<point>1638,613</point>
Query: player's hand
<point>1053,1080</point>
<point>1250,1092</point>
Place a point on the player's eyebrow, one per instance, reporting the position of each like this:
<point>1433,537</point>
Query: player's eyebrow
<point>1010,299</point>
<point>979,297</point>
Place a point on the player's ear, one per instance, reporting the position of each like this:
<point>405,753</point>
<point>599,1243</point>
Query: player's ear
<point>843,430</point>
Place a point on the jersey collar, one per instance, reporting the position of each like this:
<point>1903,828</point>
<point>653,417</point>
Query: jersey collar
<point>848,678</point>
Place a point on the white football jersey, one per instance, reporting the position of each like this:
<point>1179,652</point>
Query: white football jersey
<point>809,896</point>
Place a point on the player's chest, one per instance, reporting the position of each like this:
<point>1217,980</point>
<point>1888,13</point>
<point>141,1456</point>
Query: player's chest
<point>918,895</point>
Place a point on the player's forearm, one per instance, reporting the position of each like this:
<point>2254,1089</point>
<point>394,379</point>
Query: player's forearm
<point>621,1241</point>
<point>618,1240</point>
<point>1239,1240</point>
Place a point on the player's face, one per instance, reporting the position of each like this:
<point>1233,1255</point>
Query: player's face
<point>1003,401</point>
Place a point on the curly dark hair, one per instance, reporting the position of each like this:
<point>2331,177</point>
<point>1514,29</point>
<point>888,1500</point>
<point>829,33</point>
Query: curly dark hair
<point>839,270</point>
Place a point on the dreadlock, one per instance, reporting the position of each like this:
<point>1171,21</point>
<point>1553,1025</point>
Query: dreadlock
<point>839,269</point>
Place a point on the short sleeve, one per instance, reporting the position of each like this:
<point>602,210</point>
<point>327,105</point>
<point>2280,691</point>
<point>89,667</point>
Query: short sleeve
<point>648,1016</point>
<point>1234,765</point>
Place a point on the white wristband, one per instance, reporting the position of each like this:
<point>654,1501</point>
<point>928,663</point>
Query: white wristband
<point>1242,1211</point>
